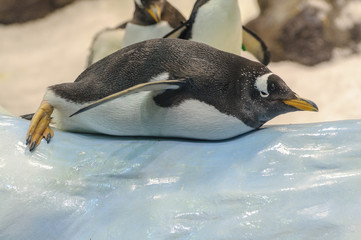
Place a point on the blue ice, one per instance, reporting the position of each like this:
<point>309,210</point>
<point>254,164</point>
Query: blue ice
<point>279,182</point>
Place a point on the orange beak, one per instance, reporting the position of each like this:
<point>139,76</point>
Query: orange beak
<point>302,104</point>
<point>155,11</point>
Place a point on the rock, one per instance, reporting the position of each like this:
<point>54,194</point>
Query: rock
<point>308,31</point>
<point>19,11</point>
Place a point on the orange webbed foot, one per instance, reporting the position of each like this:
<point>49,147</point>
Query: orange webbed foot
<point>39,126</point>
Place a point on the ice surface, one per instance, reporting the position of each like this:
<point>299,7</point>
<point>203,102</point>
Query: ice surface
<point>281,182</point>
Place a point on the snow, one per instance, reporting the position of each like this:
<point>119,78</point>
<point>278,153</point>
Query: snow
<point>54,50</point>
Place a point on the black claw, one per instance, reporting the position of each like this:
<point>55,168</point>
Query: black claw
<point>48,137</point>
<point>32,146</point>
<point>28,139</point>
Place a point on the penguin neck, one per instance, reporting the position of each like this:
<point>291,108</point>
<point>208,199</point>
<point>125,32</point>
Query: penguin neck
<point>218,24</point>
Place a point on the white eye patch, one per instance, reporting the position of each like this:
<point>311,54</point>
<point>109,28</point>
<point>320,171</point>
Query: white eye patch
<point>262,84</point>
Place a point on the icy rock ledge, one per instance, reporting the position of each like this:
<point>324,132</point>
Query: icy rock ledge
<point>281,182</point>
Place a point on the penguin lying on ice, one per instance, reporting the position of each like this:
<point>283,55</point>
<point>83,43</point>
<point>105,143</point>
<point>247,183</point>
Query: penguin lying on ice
<point>151,19</point>
<point>167,88</point>
<point>218,23</point>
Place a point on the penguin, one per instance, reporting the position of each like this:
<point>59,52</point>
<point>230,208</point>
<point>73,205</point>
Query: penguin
<point>218,23</point>
<point>167,88</point>
<point>151,19</point>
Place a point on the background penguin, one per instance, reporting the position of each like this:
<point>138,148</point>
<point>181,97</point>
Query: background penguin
<point>151,19</point>
<point>218,23</point>
<point>168,88</point>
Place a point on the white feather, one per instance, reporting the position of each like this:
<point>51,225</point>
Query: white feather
<point>110,41</point>
<point>160,77</point>
<point>138,115</point>
<point>139,3</point>
<point>136,33</point>
<point>106,43</point>
<point>218,24</point>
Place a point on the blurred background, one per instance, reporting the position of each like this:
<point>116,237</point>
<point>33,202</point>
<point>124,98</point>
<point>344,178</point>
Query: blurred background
<point>315,48</point>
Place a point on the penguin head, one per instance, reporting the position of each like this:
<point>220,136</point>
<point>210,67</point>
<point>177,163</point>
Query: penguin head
<point>270,97</point>
<point>150,10</point>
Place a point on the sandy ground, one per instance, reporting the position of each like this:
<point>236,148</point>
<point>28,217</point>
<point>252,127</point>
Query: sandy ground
<point>54,50</point>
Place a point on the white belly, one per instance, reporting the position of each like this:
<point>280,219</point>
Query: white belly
<point>136,33</point>
<point>107,43</point>
<point>218,24</point>
<point>138,115</point>
<point>111,41</point>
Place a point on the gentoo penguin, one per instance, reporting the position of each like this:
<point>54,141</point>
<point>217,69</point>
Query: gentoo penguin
<point>167,88</point>
<point>151,19</point>
<point>218,24</point>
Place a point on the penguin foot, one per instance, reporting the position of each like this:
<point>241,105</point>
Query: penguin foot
<point>39,127</point>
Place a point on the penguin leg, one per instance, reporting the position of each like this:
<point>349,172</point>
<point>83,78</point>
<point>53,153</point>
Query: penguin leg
<point>39,126</point>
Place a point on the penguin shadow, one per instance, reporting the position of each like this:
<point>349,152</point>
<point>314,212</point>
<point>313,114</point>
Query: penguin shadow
<point>141,154</point>
<point>96,136</point>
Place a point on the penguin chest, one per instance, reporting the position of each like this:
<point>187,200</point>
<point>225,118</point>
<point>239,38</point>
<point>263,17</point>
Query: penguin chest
<point>136,33</point>
<point>106,43</point>
<point>139,115</point>
<point>218,24</point>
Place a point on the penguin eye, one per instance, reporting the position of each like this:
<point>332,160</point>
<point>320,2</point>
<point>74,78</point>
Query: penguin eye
<point>264,94</point>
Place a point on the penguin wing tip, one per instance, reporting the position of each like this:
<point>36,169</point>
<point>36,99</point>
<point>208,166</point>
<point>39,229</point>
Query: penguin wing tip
<point>76,113</point>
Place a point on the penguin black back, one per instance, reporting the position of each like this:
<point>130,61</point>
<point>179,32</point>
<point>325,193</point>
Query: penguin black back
<point>176,57</point>
<point>218,78</point>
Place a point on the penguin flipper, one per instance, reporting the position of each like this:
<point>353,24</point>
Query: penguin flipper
<point>148,86</point>
<point>255,45</point>
<point>178,31</point>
